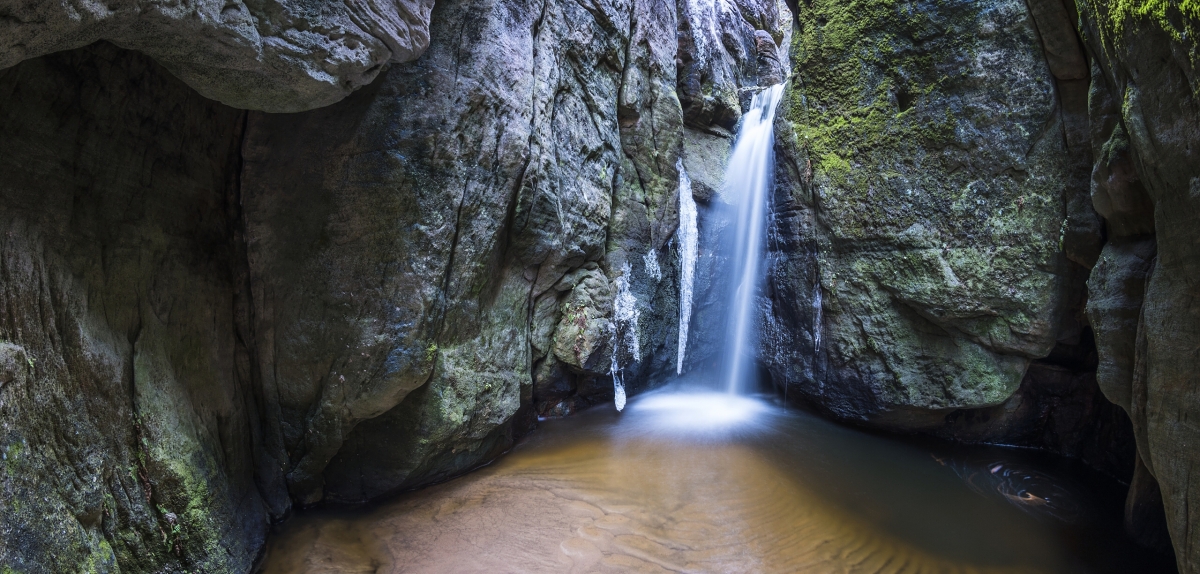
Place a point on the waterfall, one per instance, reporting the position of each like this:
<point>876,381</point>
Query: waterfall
<point>748,180</point>
<point>689,248</point>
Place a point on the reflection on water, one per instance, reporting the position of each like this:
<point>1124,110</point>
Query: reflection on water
<point>1043,496</point>
<point>693,415</point>
<point>718,483</point>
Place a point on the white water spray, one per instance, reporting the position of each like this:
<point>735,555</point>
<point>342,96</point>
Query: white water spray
<point>689,248</point>
<point>747,184</point>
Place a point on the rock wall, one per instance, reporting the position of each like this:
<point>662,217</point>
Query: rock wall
<point>404,239</point>
<point>957,172</point>
<point>440,257</point>
<point>1144,112</point>
<point>923,240</point>
<point>211,316</point>
<point>128,421</point>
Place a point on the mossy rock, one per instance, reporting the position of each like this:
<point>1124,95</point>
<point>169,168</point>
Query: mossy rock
<point>934,173</point>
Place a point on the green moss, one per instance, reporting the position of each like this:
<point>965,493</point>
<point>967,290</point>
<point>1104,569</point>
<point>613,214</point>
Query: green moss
<point>1175,17</point>
<point>183,473</point>
<point>865,89</point>
<point>102,559</point>
<point>12,457</point>
<point>198,526</point>
<point>1119,21</point>
<point>937,194</point>
<point>831,162</point>
<point>1118,143</point>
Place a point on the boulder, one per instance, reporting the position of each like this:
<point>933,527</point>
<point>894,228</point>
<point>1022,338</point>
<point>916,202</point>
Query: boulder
<point>273,55</point>
<point>924,174</point>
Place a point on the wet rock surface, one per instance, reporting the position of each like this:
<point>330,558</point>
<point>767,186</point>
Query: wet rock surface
<point>1145,133</point>
<point>877,264</point>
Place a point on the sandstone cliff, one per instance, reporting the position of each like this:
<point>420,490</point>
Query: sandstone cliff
<point>1144,112</point>
<point>983,217</point>
<point>958,171</point>
<point>211,316</point>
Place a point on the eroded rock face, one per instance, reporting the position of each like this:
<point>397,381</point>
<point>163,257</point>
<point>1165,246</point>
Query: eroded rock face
<point>444,253</point>
<point>280,56</point>
<point>231,313</point>
<point>127,412</point>
<point>1145,128</point>
<point>909,260</point>
<point>919,260</point>
<point>403,237</point>
<point>725,48</point>
<point>332,305</point>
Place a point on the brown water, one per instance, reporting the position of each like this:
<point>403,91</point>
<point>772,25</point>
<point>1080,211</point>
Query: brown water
<point>681,483</point>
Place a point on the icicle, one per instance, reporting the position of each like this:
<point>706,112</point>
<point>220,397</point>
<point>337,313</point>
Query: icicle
<point>624,321</point>
<point>651,263</point>
<point>817,309</point>
<point>689,245</point>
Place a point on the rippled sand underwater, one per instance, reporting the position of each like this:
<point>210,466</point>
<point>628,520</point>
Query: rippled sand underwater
<point>695,483</point>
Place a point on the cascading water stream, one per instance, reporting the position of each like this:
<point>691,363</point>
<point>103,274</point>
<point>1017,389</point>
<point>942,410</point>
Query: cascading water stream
<point>748,180</point>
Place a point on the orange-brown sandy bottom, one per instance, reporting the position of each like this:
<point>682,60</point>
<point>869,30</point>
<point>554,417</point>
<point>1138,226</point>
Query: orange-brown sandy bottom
<point>654,490</point>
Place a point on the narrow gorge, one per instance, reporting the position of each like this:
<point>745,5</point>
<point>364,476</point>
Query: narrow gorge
<point>405,286</point>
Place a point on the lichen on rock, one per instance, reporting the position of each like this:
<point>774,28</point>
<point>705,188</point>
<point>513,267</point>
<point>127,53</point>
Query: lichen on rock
<point>930,160</point>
